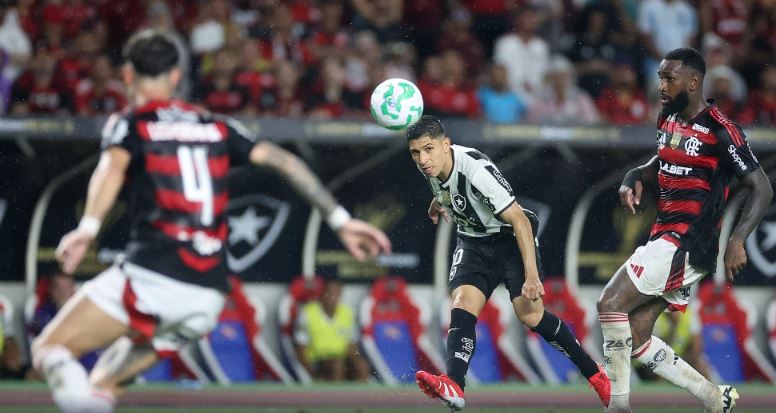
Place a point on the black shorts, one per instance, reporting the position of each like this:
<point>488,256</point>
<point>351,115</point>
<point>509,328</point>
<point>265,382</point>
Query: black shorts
<point>485,262</point>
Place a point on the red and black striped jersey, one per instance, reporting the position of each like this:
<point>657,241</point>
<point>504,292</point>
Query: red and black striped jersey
<point>177,187</point>
<point>697,160</point>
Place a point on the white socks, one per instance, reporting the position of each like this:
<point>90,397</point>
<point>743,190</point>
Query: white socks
<point>70,387</point>
<point>660,357</point>
<point>617,357</point>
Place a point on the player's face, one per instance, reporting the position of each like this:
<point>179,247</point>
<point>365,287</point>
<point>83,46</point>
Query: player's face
<point>431,155</point>
<point>673,86</point>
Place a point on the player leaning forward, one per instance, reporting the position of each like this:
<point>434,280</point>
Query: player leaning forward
<point>699,151</point>
<point>496,243</point>
<point>170,288</point>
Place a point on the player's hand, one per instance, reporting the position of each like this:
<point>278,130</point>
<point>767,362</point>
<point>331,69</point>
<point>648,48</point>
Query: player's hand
<point>533,288</point>
<point>630,198</point>
<point>362,240</point>
<point>72,249</point>
<point>735,258</point>
<point>435,210</point>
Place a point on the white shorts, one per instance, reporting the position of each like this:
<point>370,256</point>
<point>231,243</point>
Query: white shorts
<point>658,269</point>
<point>167,312</point>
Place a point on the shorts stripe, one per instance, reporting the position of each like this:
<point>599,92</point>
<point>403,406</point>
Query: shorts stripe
<point>676,276</point>
<point>143,323</point>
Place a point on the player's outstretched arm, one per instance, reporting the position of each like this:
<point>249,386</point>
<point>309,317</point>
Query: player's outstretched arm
<point>633,183</point>
<point>361,239</point>
<point>515,216</point>
<point>104,187</point>
<point>760,194</point>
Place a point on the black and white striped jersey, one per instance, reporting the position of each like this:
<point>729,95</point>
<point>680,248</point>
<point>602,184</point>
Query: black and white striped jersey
<point>474,193</point>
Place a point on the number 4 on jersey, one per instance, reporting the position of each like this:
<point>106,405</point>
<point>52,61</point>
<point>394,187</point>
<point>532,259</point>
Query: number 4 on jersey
<point>197,183</point>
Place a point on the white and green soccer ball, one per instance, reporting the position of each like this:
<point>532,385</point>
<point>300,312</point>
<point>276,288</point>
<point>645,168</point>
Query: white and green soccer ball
<point>396,104</point>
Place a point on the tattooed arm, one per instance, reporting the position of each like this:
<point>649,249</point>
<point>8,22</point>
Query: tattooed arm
<point>289,166</point>
<point>361,239</point>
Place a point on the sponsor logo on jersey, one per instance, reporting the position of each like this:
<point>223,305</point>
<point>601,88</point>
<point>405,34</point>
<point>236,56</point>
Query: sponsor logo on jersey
<point>692,146</point>
<point>700,128</point>
<point>672,169</point>
<point>737,159</point>
<point>184,132</point>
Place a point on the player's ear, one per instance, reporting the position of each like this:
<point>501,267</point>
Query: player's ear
<point>447,142</point>
<point>695,82</point>
<point>127,74</point>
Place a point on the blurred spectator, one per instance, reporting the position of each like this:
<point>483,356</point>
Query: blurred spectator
<point>499,104</point>
<point>160,18</point>
<point>286,100</point>
<point>491,20</point>
<point>283,42</point>
<point>328,102</point>
<point>457,35</point>
<point>524,54</point>
<point>325,334</point>
<point>11,363</point>
<point>760,109</point>
<point>122,17</point>
<point>101,93</point>
<point>423,19</point>
<point>726,87</point>
<point>27,12</point>
<point>665,25</point>
<point>593,52</point>
<point>35,92</point>
<point>453,96</point>
<point>254,73</point>
<point>760,41</point>
<point>364,54</point>
<point>399,60</point>
<point>15,49</point>
<point>727,19</point>
<point>623,102</point>
<point>76,62</point>
<point>220,93</point>
<point>329,38</point>
<point>561,101</point>
<point>380,16</point>
<point>209,33</point>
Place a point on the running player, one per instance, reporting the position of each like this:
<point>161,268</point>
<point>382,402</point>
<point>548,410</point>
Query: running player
<point>496,243</point>
<point>699,150</point>
<point>169,290</point>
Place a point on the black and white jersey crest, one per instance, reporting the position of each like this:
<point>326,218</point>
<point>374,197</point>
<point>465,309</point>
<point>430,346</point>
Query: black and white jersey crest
<point>474,194</point>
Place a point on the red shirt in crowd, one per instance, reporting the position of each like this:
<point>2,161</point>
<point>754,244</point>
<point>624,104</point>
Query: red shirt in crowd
<point>619,109</point>
<point>449,101</point>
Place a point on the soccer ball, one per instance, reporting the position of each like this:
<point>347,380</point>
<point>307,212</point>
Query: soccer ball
<point>396,104</point>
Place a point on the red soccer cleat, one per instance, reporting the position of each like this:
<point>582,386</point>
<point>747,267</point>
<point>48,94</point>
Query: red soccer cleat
<point>442,388</point>
<point>601,384</point>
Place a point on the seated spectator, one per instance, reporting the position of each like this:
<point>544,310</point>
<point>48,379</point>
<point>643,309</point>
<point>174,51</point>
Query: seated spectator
<point>11,363</point>
<point>499,103</point>
<point>329,38</point>
<point>221,93</point>
<point>760,109</point>
<point>364,54</point>
<point>101,93</point>
<point>561,101</point>
<point>523,53</point>
<point>286,98</point>
<point>325,335</point>
<point>723,84</point>
<point>453,96</point>
<point>593,50</point>
<point>384,17</point>
<point>623,102</point>
<point>457,35</point>
<point>36,93</point>
<point>254,73</point>
<point>328,102</point>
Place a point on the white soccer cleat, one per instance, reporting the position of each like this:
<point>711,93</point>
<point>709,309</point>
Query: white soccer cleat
<point>727,400</point>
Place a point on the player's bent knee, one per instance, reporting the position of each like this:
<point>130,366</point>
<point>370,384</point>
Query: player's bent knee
<point>607,303</point>
<point>530,319</point>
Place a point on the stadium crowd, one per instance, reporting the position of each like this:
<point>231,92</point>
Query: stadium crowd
<point>548,61</point>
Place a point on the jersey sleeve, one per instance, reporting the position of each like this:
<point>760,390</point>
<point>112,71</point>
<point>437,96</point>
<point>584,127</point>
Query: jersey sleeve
<point>496,191</point>
<point>240,141</point>
<point>117,132</point>
<point>735,150</point>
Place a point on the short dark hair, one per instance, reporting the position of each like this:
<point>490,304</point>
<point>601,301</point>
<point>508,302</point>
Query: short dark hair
<point>151,53</point>
<point>426,126</point>
<point>689,57</point>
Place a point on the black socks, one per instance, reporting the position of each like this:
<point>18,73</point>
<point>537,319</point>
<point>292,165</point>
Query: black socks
<point>558,334</point>
<point>461,340</point>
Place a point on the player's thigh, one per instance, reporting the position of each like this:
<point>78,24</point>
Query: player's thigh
<point>529,312</point>
<point>121,363</point>
<point>621,295</point>
<point>81,326</point>
<point>643,318</point>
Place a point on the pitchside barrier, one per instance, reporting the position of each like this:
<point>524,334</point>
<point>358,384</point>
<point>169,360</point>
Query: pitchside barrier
<point>568,175</point>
